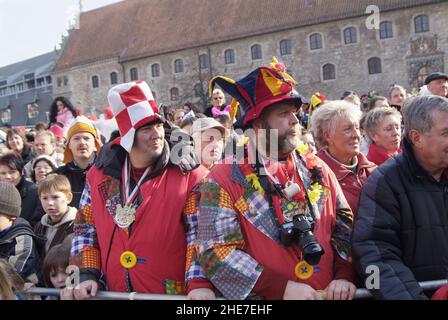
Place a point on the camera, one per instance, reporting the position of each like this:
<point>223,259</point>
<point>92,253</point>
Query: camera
<point>299,230</point>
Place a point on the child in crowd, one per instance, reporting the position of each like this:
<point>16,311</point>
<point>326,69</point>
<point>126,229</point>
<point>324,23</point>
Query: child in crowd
<point>55,268</point>
<point>18,243</point>
<point>11,284</point>
<point>57,223</point>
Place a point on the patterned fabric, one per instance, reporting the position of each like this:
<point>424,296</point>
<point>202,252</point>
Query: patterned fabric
<point>192,268</point>
<point>85,197</point>
<point>173,287</point>
<point>109,191</point>
<point>85,251</point>
<point>220,243</point>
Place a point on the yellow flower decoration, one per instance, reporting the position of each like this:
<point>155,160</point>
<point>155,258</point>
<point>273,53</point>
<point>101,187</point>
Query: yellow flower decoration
<point>252,178</point>
<point>243,141</point>
<point>314,193</point>
<point>302,148</point>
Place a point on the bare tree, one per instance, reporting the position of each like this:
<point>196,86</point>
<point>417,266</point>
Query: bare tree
<point>199,93</point>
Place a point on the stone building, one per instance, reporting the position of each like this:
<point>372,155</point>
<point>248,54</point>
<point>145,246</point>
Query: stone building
<point>177,46</point>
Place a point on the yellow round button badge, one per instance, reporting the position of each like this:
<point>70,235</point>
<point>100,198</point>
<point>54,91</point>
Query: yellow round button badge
<point>128,259</point>
<point>304,270</point>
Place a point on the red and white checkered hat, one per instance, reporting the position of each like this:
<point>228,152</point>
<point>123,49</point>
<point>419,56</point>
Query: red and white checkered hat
<point>133,106</point>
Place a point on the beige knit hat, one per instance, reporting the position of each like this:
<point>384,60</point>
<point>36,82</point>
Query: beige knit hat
<point>10,201</point>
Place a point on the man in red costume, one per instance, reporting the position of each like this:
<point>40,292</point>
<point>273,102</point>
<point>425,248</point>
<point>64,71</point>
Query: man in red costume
<point>129,232</point>
<point>274,223</point>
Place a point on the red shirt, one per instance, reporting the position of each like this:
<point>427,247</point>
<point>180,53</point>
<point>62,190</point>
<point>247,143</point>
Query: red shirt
<point>379,155</point>
<point>351,182</point>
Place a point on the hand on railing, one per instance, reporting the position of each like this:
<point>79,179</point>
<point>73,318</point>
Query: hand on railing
<point>86,290</point>
<point>201,294</point>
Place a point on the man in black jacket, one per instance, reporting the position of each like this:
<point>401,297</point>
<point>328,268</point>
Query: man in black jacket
<point>401,229</point>
<point>79,155</point>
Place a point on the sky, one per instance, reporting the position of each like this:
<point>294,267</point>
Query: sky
<point>29,28</point>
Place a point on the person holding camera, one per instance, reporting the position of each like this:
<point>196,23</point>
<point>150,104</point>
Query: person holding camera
<point>272,221</point>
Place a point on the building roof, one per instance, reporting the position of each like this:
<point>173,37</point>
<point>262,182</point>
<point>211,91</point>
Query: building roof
<point>41,65</point>
<point>133,29</point>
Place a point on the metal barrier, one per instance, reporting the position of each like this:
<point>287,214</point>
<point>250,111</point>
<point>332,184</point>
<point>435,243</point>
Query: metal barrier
<point>108,295</point>
<point>425,285</point>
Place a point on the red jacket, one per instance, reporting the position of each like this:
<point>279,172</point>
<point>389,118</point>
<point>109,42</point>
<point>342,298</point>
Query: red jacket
<point>379,155</point>
<point>157,237</point>
<point>276,261</point>
<point>441,294</point>
<point>350,182</point>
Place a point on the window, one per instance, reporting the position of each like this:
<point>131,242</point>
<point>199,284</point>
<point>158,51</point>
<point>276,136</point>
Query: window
<point>198,90</point>
<point>155,70</point>
<point>65,79</point>
<point>3,91</point>
<point>113,78</point>
<point>285,47</point>
<point>12,89</point>
<point>255,51</point>
<point>30,84</point>
<point>329,71</point>
<point>59,80</point>
<point>40,82</point>
<point>203,62</point>
<point>3,83</point>
<point>178,66</point>
<point>95,82</point>
<point>134,74</point>
<point>422,74</point>
<point>315,41</point>
<point>29,76</point>
<point>386,30</point>
<point>350,35</point>
<point>48,79</point>
<point>20,86</point>
<point>229,56</point>
<point>174,92</point>
<point>374,65</point>
<point>6,115</point>
<point>33,110</point>
<point>421,23</point>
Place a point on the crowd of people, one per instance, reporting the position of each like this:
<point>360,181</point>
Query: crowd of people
<point>270,196</point>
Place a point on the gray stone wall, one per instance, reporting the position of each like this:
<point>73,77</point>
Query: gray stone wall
<point>402,58</point>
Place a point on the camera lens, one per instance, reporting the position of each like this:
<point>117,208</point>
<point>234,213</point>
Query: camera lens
<point>311,249</point>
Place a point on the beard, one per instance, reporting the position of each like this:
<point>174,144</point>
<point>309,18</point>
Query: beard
<point>286,143</point>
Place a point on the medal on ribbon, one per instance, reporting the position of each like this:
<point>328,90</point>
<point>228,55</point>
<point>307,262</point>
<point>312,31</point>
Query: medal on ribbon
<point>124,216</point>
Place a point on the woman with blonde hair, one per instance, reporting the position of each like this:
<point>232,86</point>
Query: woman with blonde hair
<point>396,97</point>
<point>383,130</point>
<point>335,127</point>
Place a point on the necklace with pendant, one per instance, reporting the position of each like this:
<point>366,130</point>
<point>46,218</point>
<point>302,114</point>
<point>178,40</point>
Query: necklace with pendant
<point>125,214</point>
